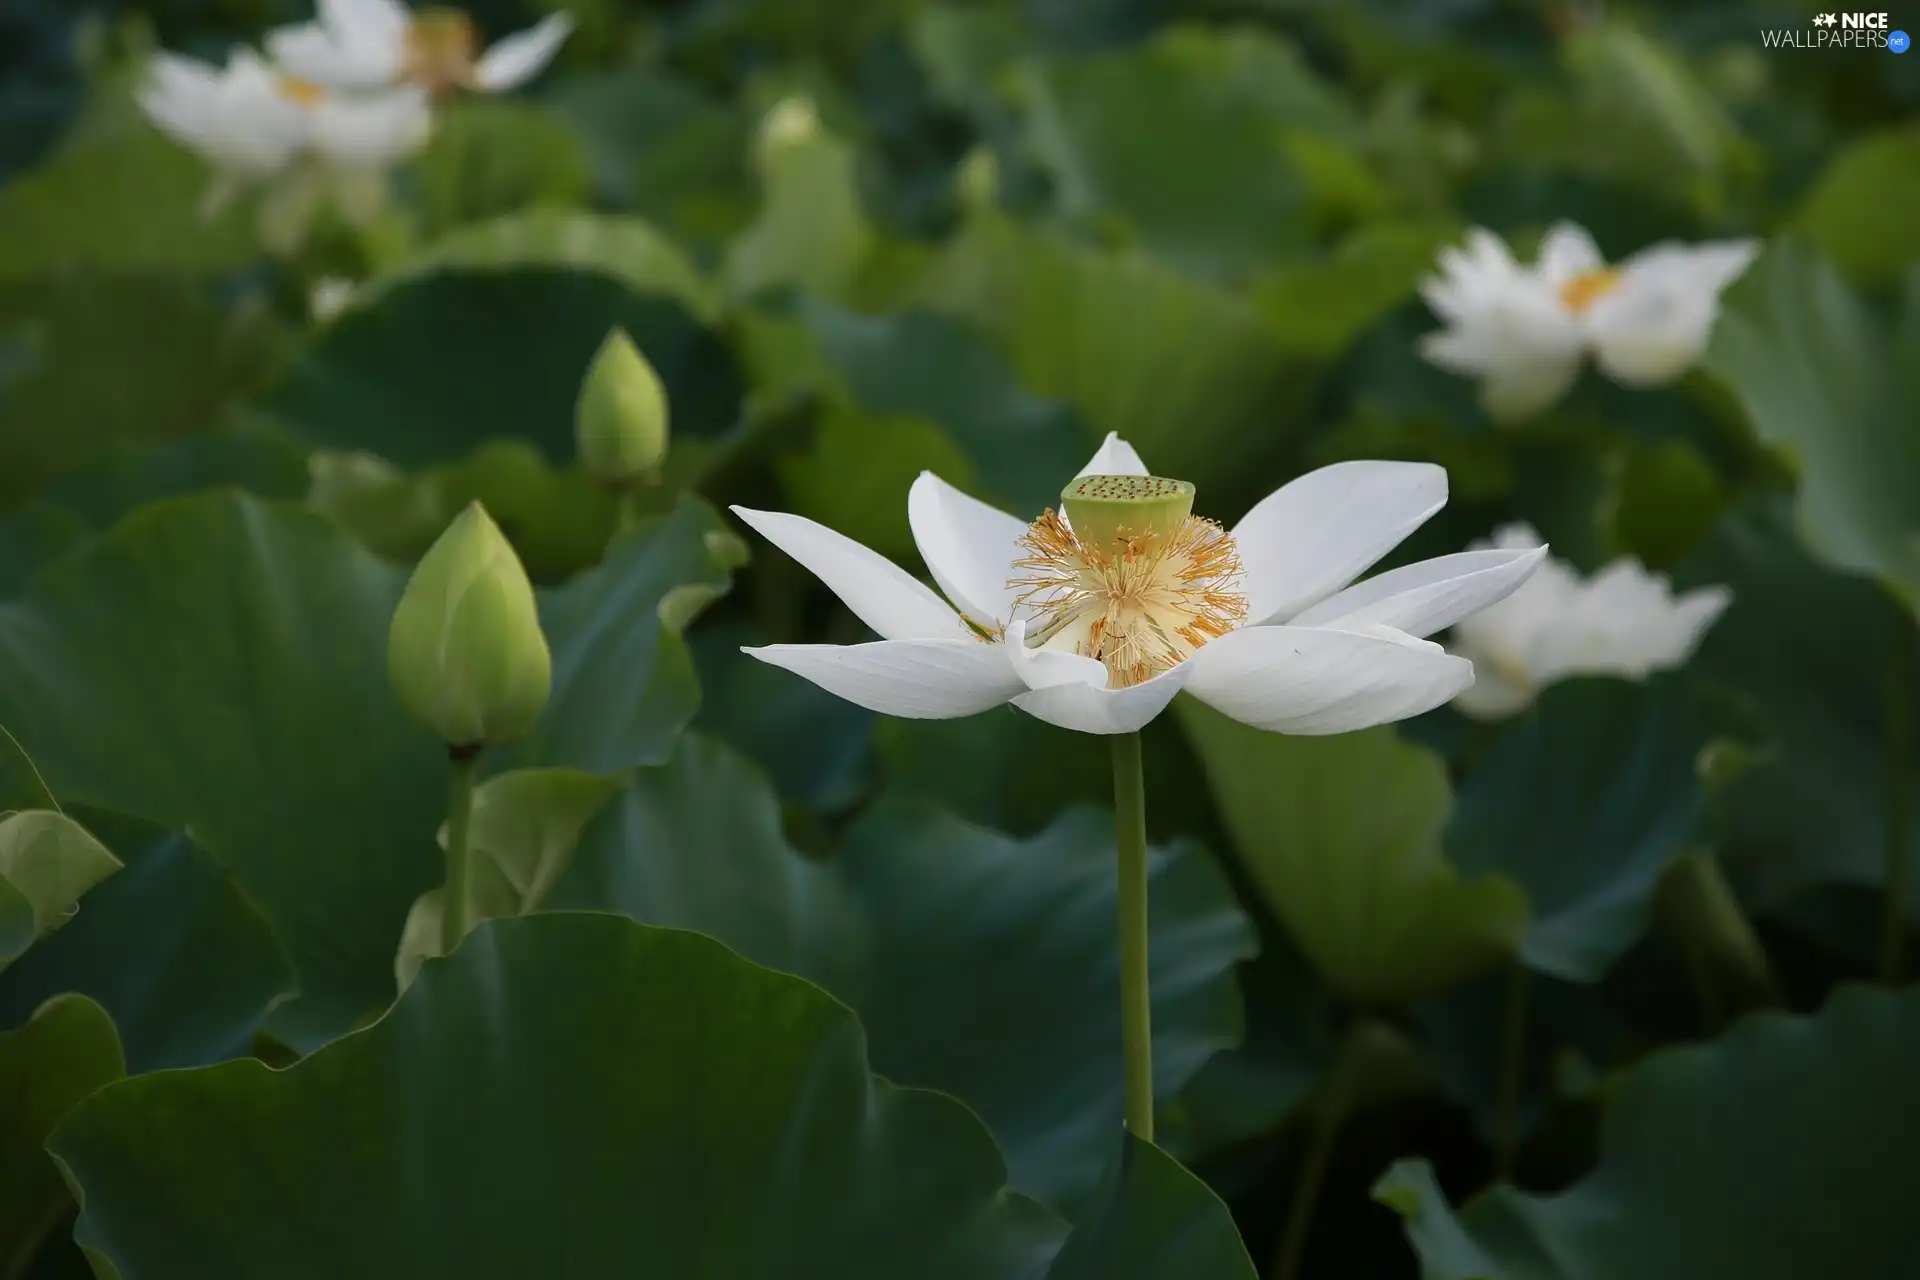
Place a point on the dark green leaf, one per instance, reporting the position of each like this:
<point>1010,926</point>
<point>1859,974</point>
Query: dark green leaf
<point>130,200</point>
<point>1341,836</point>
<point>184,963</point>
<point>1187,373</point>
<point>623,679</point>
<point>1191,138</point>
<point>1812,651</point>
<point>64,1052</point>
<point>965,952</point>
<point>493,157</point>
<point>1815,369</point>
<point>1855,214</point>
<point>445,360</point>
<point>1151,1218</point>
<point>120,361</point>
<point>1772,1154</point>
<point>219,665</point>
<point>1583,803</point>
<point>626,249</point>
<point>1020,446</point>
<point>643,1099</point>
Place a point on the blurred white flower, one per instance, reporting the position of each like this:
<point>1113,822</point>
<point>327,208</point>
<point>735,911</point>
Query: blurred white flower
<point>1098,633</point>
<point>369,44</point>
<point>241,118</point>
<point>329,297</point>
<point>1524,331</point>
<point>792,119</point>
<point>256,126</point>
<point>1623,622</point>
<point>252,122</point>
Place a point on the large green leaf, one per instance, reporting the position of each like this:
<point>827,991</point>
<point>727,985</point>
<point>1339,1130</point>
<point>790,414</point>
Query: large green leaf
<point>170,947</point>
<point>1774,1153</point>
<point>1817,371</point>
<point>1021,447</point>
<point>64,1052</point>
<point>816,748</point>
<point>966,953</point>
<point>623,678</point>
<point>115,361</point>
<point>218,665</point>
<point>439,362</point>
<point>1855,214</point>
<point>1316,306</point>
<point>47,863</point>
<point>29,538</point>
<point>1584,802</point>
<point>248,456</point>
<point>811,232</point>
<point>1150,1217</point>
<point>626,249</point>
<point>129,200</point>
<point>1187,373</point>
<point>854,476</point>
<point>625,1100</point>
<point>493,157</point>
<point>1194,139</point>
<point>1811,650</point>
<point>1341,836</point>
<point>661,147</point>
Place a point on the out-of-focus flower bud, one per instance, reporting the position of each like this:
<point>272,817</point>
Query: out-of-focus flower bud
<point>621,418</point>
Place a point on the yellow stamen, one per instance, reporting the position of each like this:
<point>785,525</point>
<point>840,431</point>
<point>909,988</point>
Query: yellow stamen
<point>441,46</point>
<point>304,92</point>
<point>1589,287</point>
<point>1140,605</point>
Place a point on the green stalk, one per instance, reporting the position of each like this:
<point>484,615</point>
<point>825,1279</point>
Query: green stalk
<point>1329,1114</point>
<point>463,768</point>
<point>1136,1009</point>
<point>1893,925</point>
<point>1729,965</point>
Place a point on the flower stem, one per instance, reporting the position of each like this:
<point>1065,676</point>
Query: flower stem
<point>1723,953</point>
<point>463,766</point>
<point>1513,1066</point>
<point>1329,1112</point>
<point>1893,926</point>
<point>1136,1009</point>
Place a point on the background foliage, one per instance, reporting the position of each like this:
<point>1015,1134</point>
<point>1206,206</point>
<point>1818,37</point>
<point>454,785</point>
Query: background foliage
<point>1017,227</point>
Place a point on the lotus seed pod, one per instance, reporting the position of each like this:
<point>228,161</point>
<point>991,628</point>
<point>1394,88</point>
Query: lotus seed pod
<point>1106,511</point>
<point>466,653</point>
<point>620,421</point>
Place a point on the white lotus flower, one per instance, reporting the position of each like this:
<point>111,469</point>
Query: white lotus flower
<point>256,126</point>
<point>368,44</point>
<point>241,118</point>
<point>1098,633</point>
<point>1624,622</point>
<point>1524,331</point>
<point>252,122</point>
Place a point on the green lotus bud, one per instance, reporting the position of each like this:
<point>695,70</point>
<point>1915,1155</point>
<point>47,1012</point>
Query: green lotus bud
<point>466,653</point>
<point>1105,510</point>
<point>978,182</point>
<point>620,421</point>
